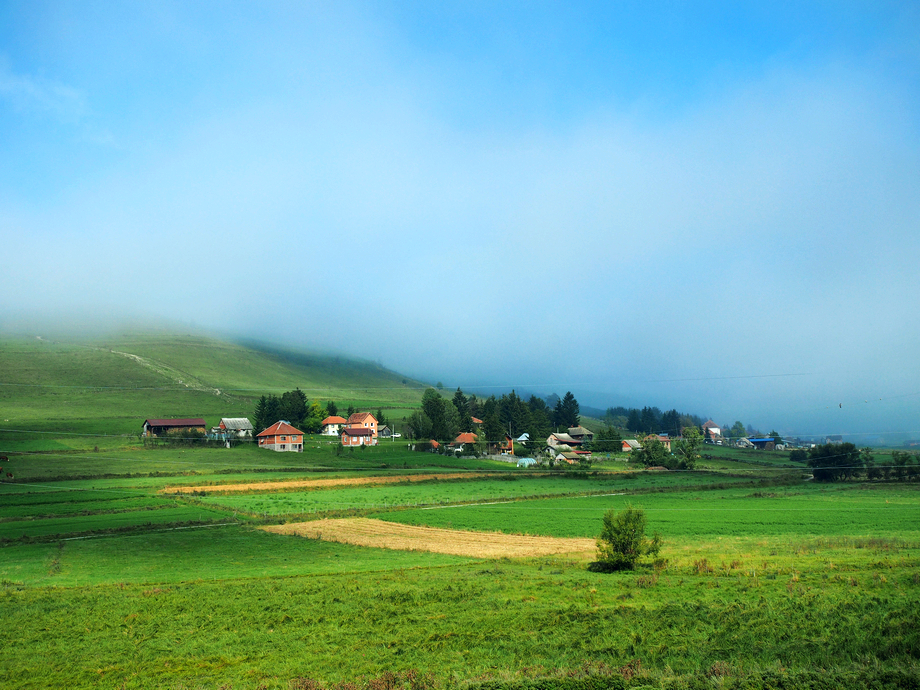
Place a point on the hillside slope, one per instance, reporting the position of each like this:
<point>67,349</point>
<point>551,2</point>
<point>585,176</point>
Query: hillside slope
<point>109,386</point>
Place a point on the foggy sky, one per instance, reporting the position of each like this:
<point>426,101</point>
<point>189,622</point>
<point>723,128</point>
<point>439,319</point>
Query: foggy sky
<point>697,206</point>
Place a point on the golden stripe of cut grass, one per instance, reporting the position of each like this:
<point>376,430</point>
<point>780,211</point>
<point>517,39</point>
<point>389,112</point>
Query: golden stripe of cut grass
<point>392,535</point>
<point>314,483</point>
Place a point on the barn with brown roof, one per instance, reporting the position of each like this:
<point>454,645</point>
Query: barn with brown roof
<point>160,427</point>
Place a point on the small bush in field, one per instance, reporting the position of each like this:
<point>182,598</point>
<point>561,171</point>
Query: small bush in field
<point>623,542</point>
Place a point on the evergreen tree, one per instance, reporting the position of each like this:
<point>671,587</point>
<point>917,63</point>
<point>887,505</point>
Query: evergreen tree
<point>463,411</point>
<point>331,409</point>
<point>514,415</point>
<point>567,411</point>
<point>634,420</point>
<point>294,407</point>
<point>272,411</point>
<point>649,422</point>
<point>259,416</point>
<point>443,415</point>
<point>492,426</point>
<point>670,423</point>
<point>540,425</point>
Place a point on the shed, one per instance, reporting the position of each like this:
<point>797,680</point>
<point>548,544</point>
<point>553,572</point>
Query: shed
<point>240,427</point>
<point>156,427</point>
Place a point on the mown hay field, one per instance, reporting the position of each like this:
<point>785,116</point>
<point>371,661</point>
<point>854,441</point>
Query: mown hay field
<point>273,486</point>
<point>389,535</point>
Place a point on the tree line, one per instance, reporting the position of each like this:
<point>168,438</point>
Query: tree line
<point>832,462</point>
<point>442,419</point>
<point>651,420</point>
<point>294,408</point>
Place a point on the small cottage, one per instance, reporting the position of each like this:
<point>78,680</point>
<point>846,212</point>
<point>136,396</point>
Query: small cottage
<point>358,436</point>
<point>280,437</point>
<point>332,425</point>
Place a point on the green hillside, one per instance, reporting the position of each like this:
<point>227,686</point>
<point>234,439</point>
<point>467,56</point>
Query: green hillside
<point>53,390</point>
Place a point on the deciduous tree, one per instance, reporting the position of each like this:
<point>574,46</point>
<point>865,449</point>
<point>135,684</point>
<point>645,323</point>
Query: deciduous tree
<point>622,541</point>
<point>832,462</point>
<point>687,449</point>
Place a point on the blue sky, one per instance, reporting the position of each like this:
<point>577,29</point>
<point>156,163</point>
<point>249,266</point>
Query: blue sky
<point>708,206</point>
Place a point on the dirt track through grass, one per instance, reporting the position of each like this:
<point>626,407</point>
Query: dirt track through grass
<point>391,535</point>
<point>316,483</point>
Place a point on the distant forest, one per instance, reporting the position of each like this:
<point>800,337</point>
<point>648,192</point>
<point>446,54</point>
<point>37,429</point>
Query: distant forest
<point>651,420</point>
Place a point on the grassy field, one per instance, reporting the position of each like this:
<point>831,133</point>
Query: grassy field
<point>761,577</point>
<point>434,493</point>
<point>108,579</point>
<point>65,394</point>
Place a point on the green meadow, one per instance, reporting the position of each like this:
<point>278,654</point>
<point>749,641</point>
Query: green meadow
<point>70,394</point>
<point>108,579</point>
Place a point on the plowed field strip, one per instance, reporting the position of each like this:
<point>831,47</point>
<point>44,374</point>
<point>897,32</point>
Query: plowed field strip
<point>316,483</point>
<point>391,535</point>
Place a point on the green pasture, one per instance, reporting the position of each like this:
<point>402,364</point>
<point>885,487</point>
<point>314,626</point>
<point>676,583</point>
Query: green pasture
<point>98,522</point>
<point>513,485</point>
<point>754,578</point>
<point>76,507</point>
<point>319,455</point>
<point>501,620</point>
<point>194,553</point>
<point>106,583</point>
<point>803,510</point>
<point>71,394</point>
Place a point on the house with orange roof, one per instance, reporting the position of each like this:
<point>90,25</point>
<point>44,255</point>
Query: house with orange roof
<point>332,425</point>
<point>665,440</point>
<point>281,436</point>
<point>358,436</point>
<point>467,438</point>
<point>362,420</point>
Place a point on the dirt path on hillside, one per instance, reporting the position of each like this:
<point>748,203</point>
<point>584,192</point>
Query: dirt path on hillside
<point>392,535</point>
<point>316,483</point>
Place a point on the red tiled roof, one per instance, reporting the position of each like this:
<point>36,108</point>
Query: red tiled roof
<point>334,419</point>
<point>280,427</point>
<point>435,444</point>
<point>466,437</point>
<point>195,421</point>
<point>361,431</point>
<point>360,418</point>
<point>476,421</point>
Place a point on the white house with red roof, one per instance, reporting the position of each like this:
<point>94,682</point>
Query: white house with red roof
<point>712,430</point>
<point>332,425</point>
<point>281,436</point>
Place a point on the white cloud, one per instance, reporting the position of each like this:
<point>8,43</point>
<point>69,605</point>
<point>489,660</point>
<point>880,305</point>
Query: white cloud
<point>29,94</point>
